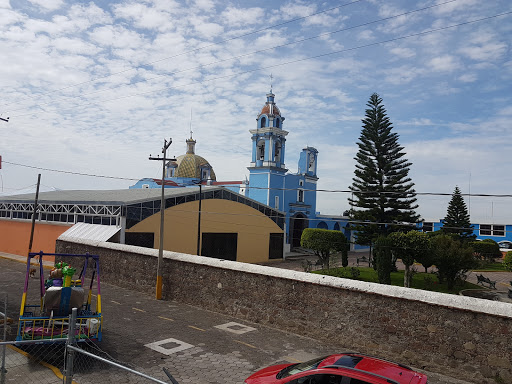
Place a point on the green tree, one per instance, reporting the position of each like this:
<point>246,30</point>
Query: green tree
<point>382,191</point>
<point>507,262</point>
<point>453,259</point>
<point>409,247</point>
<point>383,255</point>
<point>324,243</point>
<point>457,217</point>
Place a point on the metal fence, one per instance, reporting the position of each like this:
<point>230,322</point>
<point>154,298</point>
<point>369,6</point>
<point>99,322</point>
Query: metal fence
<point>70,360</point>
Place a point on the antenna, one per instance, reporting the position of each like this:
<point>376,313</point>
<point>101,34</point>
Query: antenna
<point>191,122</point>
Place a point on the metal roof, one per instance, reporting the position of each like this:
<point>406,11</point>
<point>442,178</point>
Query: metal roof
<point>97,232</point>
<point>106,197</point>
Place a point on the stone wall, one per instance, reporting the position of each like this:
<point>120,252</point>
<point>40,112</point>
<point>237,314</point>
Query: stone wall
<point>459,336</point>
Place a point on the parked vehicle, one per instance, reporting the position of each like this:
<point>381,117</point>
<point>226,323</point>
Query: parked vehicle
<point>342,368</point>
<point>505,244</point>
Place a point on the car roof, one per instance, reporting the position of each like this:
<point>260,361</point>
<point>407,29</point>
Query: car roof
<point>370,364</point>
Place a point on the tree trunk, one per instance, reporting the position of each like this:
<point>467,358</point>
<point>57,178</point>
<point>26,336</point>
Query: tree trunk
<point>407,276</point>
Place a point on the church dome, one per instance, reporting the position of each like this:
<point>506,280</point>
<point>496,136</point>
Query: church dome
<point>270,110</point>
<point>189,165</point>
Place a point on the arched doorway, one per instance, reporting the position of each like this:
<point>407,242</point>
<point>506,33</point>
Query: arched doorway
<point>298,223</point>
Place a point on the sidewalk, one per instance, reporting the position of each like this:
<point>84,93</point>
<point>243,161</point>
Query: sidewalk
<point>21,368</point>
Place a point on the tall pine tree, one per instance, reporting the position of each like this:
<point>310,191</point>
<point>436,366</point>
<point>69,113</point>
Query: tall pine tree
<point>382,191</point>
<point>457,217</point>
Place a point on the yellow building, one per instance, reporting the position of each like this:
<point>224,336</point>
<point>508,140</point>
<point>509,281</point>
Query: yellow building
<point>231,226</point>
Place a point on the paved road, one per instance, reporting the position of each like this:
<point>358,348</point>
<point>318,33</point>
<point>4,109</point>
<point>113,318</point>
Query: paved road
<point>197,346</point>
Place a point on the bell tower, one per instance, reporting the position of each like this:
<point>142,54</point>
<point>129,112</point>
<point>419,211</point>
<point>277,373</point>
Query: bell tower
<point>267,168</point>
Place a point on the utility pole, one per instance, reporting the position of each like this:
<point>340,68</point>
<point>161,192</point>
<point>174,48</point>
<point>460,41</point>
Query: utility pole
<point>159,279</point>
<point>199,220</point>
<point>34,215</point>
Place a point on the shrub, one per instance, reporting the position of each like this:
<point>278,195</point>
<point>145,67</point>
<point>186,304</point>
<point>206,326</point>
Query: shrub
<point>487,249</point>
<point>452,259</point>
<point>507,263</point>
<point>383,255</point>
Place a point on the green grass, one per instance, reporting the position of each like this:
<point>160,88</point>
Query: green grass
<point>491,267</point>
<point>420,280</point>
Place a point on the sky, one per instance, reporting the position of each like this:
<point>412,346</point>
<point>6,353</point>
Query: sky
<point>95,88</point>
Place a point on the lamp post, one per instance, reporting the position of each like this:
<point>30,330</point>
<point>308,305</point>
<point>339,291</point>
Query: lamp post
<point>159,279</point>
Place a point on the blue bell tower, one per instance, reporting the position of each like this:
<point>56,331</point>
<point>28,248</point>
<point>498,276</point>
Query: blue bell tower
<point>267,168</point>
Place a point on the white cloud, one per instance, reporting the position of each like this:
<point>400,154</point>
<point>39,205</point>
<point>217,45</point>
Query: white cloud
<point>48,5</point>
<point>402,52</point>
<point>207,30</point>
<point>367,34</point>
<point>454,7</point>
<point>297,9</point>
<point>468,77</point>
<point>236,17</point>
<point>445,63</point>
<point>145,17</point>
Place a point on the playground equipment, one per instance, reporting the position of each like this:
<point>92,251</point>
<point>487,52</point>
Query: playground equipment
<point>59,294</point>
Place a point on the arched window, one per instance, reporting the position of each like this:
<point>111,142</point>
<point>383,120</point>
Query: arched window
<point>261,150</point>
<point>277,123</point>
<point>322,225</point>
<point>337,226</point>
<point>263,122</point>
<point>277,152</point>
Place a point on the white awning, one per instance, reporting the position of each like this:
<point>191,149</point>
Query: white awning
<point>91,231</point>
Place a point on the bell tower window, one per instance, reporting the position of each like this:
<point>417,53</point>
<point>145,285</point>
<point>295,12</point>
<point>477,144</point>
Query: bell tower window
<point>277,152</point>
<point>263,122</point>
<point>277,123</point>
<point>261,150</point>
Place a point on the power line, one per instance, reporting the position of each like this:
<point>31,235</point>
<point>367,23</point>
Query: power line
<point>251,53</point>
<point>273,189</point>
<point>196,49</point>
<point>302,59</point>
<point>71,172</point>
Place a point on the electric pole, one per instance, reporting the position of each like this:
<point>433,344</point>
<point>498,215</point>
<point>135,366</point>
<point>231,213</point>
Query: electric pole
<point>159,280</point>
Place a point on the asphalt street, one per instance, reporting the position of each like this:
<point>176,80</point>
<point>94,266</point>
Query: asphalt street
<point>195,345</point>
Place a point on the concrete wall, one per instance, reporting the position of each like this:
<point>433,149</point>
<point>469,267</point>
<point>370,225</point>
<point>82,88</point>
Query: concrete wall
<point>460,336</point>
<point>15,236</point>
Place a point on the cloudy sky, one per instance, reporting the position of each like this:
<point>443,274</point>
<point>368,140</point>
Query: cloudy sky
<point>95,86</point>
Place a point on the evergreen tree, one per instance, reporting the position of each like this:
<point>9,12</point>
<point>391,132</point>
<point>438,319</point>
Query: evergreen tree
<point>382,190</point>
<point>457,217</point>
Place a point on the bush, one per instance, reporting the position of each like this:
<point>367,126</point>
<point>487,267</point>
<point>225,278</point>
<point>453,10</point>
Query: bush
<point>507,263</point>
<point>487,249</point>
<point>324,242</point>
<point>452,259</point>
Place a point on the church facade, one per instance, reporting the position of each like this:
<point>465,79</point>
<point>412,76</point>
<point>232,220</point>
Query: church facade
<point>270,182</point>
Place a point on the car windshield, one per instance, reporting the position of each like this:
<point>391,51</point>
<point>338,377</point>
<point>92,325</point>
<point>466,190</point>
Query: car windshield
<point>300,367</point>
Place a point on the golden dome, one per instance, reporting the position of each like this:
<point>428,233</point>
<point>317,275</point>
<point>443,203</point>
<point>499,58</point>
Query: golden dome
<point>189,165</point>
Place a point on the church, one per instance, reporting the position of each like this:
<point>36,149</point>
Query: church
<point>270,182</point>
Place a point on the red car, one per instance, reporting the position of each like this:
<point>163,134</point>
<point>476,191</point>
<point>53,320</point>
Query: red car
<point>342,368</point>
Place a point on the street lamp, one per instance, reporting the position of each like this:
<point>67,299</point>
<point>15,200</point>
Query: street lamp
<point>159,280</point>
